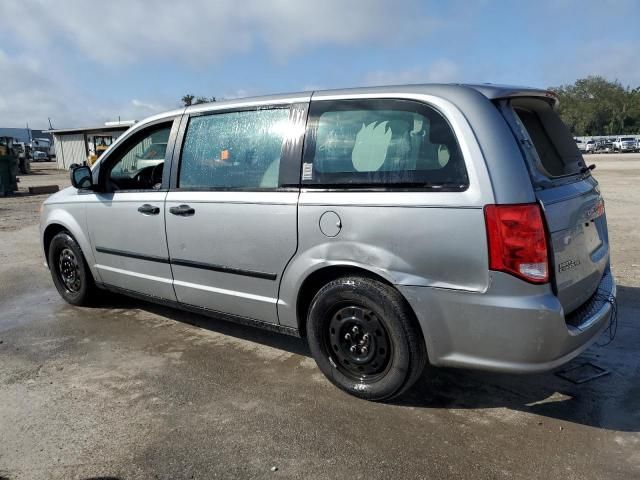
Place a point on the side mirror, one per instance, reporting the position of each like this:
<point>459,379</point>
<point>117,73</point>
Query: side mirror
<point>81,178</point>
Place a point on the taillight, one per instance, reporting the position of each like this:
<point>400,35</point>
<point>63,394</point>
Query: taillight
<point>517,241</point>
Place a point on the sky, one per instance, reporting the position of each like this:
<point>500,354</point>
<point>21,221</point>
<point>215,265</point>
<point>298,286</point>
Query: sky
<point>84,62</point>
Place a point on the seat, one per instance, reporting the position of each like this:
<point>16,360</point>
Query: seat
<point>270,177</point>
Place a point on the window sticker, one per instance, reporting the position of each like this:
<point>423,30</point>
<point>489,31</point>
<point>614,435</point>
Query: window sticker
<point>307,171</point>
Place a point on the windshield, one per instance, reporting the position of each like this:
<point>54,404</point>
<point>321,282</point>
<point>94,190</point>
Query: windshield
<point>628,140</point>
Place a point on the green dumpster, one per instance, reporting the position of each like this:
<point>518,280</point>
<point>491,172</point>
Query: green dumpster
<point>8,173</point>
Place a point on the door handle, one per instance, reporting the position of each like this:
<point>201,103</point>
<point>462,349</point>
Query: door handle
<point>147,209</point>
<point>182,210</point>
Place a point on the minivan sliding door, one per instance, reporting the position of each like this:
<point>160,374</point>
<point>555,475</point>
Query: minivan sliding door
<point>231,214</point>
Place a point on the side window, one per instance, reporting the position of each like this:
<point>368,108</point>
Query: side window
<point>235,150</point>
<point>141,160</point>
<point>355,143</point>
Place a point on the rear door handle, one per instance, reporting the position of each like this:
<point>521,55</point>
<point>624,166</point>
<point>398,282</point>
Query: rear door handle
<point>147,209</point>
<point>182,210</point>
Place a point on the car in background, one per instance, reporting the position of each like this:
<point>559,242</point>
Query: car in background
<point>39,156</point>
<point>581,145</point>
<point>590,146</point>
<point>625,144</point>
<point>604,146</point>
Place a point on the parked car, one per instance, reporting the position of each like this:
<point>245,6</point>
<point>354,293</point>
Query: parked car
<point>389,226</point>
<point>582,146</point>
<point>590,146</point>
<point>605,146</point>
<point>39,156</point>
<point>625,144</point>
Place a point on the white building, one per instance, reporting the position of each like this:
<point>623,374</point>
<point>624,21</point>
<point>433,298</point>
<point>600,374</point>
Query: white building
<point>74,145</point>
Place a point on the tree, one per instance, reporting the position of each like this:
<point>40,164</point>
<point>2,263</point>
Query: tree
<point>200,100</point>
<point>595,106</point>
<point>189,100</point>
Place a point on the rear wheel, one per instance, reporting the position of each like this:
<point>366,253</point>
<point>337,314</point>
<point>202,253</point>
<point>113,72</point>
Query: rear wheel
<point>365,338</point>
<point>69,270</point>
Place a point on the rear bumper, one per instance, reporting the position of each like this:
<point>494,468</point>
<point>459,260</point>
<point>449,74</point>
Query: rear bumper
<point>513,327</point>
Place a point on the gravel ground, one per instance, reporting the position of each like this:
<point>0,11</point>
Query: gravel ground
<point>23,209</point>
<point>131,390</point>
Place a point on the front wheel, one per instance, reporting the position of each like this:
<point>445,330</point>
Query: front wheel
<point>365,338</point>
<point>69,270</point>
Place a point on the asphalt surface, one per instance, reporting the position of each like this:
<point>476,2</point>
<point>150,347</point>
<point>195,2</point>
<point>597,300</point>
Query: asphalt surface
<point>131,390</point>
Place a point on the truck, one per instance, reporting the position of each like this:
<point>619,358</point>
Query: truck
<point>625,144</point>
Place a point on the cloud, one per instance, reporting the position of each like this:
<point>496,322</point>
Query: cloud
<point>27,93</point>
<point>86,61</point>
<point>613,61</point>
<point>40,52</point>
<point>440,71</point>
<point>151,107</point>
<point>133,110</point>
<point>30,94</point>
<point>202,31</point>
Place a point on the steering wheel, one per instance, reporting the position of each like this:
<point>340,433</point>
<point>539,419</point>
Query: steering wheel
<point>143,177</point>
<point>156,176</point>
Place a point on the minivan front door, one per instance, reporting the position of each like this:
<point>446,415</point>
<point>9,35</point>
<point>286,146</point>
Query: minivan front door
<point>231,214</point>
<point>125,218</point>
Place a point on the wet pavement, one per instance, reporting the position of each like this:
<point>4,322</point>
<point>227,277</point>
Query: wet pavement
<point>132,390</point>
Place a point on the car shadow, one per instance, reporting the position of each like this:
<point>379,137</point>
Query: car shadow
<point>268,338</point>
<point>610,402</point>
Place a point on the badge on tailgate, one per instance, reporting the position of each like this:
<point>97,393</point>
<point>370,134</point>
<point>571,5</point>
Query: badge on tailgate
<point>568,265</point>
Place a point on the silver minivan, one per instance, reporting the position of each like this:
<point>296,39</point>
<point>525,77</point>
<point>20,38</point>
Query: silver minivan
<point>390,227</point>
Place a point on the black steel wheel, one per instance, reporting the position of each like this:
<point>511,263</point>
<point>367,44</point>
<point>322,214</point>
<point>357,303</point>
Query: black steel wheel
<point>365,338</point>
<point>69,270</point>
<point>360,344</point>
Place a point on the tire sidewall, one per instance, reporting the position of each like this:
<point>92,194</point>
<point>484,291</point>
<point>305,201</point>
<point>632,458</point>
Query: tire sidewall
<point>58,243</point>
<point>370,295</point>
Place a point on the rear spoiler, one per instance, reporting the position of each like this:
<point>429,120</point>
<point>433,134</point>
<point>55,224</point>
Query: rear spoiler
<point>497,92</point>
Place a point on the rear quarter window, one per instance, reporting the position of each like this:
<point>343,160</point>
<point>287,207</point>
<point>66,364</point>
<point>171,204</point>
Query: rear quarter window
<point>381,143</point>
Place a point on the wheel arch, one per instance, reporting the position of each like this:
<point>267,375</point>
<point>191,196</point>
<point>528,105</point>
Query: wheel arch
<point>320,277</point>
<point>49,232</point>
<point>59,221</point>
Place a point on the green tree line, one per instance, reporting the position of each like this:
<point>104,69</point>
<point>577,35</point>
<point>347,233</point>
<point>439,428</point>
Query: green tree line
<point>594,106</point>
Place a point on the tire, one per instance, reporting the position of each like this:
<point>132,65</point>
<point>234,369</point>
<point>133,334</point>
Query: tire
<point>376,367</point>
<point>70,272</point>
<point>25,166</point>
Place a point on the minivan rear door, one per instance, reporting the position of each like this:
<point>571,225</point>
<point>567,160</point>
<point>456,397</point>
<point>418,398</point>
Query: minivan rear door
<point>568,194</point>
